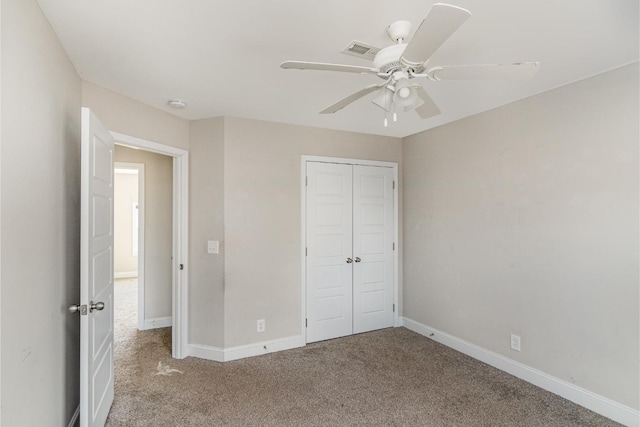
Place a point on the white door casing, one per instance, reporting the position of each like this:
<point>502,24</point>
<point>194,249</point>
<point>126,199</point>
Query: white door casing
<point>96,272</point>
<point>180,274</point>
<point>329,240</point>
<point>370,280</point>
<point>372,248</point>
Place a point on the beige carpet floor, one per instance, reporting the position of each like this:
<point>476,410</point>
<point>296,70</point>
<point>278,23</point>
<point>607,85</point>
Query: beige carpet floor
<point>392,377</point>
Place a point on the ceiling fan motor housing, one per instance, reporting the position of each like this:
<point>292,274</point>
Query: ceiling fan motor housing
<point>388,60</point>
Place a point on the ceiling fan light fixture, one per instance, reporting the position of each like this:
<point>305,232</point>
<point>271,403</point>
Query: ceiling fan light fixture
<point>415,105</point>
<point>405,95</point>
<point>404,92</point>
<point>384,99</point>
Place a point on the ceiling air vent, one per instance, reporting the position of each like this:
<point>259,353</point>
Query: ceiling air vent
<point>361,50</point>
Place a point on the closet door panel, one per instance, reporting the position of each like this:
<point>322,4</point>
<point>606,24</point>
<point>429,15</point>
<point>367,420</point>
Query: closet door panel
<point>372,248</point>
<point>329,246</point>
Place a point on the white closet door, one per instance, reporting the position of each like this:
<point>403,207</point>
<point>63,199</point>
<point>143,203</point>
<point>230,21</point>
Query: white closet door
<point>329,248</point>
<point>372,248</point>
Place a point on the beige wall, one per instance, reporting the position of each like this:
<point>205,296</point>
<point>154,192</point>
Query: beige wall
<point>158,226</point>
<point>524,219</point>
<point>40,170</point>
<point>130,117</point>
<point>245,192</point>
<point>125,194</point>
<point>206,222</point>
<point>262,219</point>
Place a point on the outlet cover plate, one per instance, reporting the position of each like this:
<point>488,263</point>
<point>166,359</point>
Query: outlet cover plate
<point>515,342</point>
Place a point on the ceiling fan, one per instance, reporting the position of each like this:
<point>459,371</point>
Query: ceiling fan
<point>402,62</point>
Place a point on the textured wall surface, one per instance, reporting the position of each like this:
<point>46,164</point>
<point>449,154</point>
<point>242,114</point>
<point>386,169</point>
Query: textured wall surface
<point>206,222</point>
<point>524,220</point>
<point>41,100</point>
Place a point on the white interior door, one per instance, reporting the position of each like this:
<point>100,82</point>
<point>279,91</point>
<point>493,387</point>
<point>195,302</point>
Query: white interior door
<point>329,249</point>
<point>373,229</point>
<point>96,272</point>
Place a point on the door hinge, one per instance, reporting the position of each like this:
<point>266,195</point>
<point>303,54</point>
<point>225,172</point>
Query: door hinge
<point>306,323</point>
<point>181,266</point>
<point>306,251</point>
<point>306,180</point>
<point>394,308</point>
<point>394,185</point>
<point>394,246</point>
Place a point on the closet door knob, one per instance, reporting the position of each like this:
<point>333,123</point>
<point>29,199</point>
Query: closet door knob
<point>349,260</point>
<point>96,306</point>
<point>358,259</point>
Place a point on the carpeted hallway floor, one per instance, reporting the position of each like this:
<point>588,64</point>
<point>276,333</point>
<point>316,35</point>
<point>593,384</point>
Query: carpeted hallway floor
<point>392,377</point>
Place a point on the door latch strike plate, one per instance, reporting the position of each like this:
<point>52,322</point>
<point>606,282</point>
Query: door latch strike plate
<point>181,266</point>
<point>83,310</point>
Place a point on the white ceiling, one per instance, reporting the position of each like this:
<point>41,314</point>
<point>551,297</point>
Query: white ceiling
<point>223,58</point>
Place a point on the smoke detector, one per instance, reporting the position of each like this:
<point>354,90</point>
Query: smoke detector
<point>177,104</point>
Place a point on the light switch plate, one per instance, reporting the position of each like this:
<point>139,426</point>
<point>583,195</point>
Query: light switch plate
<point>213,246</point>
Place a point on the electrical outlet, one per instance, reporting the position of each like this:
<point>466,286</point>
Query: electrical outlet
<point>515,342</point>
<point>260,325</point>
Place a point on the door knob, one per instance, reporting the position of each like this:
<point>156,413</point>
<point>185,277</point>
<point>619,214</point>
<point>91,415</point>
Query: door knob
<point>358,259</point>
<point>77,308</point>
<point>349,260</point>
<point>96,306</point>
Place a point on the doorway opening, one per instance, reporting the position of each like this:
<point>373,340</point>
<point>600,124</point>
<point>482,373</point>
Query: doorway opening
<point>165,306</point>
<point>147,248</point>
<point>129,253</point>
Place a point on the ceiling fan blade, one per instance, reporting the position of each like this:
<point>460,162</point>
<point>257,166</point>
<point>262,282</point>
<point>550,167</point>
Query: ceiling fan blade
<point>515,71</point>
<point>429,107</point>
<point>351,98</point>
<point>440,23</point>
<point>321,66</point>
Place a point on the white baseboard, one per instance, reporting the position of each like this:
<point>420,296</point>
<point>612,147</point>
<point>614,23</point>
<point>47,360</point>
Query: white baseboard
<point>74,419</point>
<point>158,322</point>
<point>600,404</point>
<point>206,352</point>
<point>240,352</point>
<point>125,274</point>
<point>249,350</point>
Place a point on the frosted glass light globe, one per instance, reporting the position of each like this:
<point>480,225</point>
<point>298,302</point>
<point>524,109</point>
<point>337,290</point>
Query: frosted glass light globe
<point>404,92</point>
